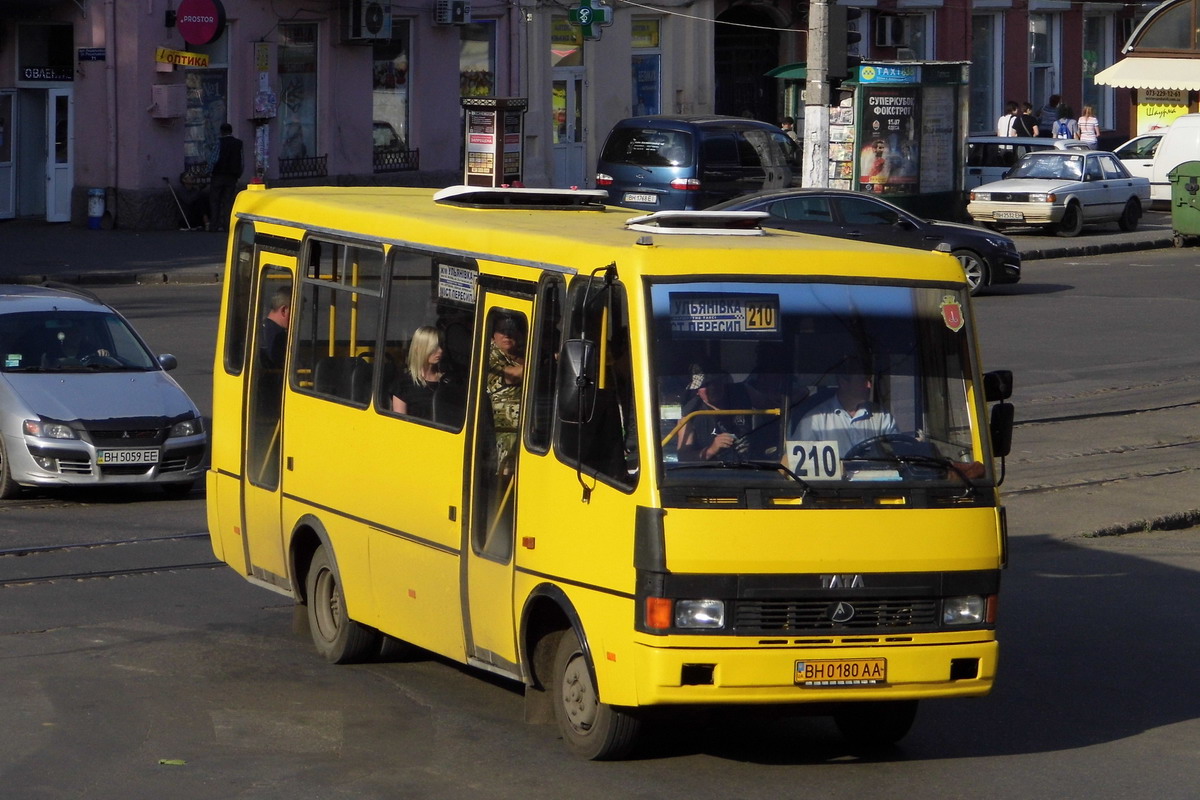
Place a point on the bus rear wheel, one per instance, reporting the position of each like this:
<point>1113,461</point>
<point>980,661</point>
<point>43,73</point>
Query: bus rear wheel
<point>338,638</point>
<point>591,729</point>
<point>876,724</point>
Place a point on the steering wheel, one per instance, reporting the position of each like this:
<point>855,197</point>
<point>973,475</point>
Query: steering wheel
<point>887,446</point>
<point>97,360</point>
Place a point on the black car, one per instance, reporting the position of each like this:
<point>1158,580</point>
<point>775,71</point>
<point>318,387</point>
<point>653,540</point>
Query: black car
<point>988,258</point>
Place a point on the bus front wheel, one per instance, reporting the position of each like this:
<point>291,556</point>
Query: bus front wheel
<point>591,729</point>
<point>338,638</point>
<point>876,724</point>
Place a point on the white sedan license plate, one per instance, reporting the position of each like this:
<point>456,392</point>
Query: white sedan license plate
<point>126,456</point>
<point>841,672</point>
<point>1017,215</point>
<point>636,197</point>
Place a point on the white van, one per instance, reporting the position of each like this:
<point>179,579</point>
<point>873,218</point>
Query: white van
<point>1180,143</point>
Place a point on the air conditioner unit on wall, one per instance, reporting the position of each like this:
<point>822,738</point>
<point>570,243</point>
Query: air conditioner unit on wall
<point>367,20</point>
<point>891,31</point>
<point>452,12</point>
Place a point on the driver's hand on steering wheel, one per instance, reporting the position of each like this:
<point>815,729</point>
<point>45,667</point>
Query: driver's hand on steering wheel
<point>103,352</point>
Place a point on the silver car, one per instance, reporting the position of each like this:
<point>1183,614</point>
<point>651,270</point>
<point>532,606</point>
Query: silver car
<point>83,401</point>
<point>1062,190</point>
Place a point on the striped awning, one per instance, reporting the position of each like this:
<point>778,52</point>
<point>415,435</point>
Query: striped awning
<point>1152,73</point>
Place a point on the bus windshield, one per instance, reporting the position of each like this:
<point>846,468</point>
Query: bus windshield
<point>814,384</point>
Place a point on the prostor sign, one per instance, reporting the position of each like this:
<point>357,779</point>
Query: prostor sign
<point>200,21</point>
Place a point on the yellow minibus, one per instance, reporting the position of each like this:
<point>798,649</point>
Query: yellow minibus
<point>630,461</point>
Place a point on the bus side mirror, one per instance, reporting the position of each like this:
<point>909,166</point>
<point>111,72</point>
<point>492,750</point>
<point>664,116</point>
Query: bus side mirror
<point>1001,425</point>
<point>997,385</point>
<point>577,380</point>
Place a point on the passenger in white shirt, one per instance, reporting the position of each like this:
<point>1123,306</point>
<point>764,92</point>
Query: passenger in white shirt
<point>847,417</point>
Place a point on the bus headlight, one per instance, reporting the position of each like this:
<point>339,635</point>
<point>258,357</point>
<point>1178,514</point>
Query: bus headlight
<point>699,614</point>
<point>966,610</point>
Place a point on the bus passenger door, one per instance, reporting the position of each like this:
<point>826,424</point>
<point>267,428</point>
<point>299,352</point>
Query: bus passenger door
<point>262,535</point>
<point>495,447</point>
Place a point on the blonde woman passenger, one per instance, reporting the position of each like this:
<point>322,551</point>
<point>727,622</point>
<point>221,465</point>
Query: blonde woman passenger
<point>424,374</point>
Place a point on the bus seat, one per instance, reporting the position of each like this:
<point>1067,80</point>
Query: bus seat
<point>360,381</point>
<point>332,375</point>
<point>450,404</point>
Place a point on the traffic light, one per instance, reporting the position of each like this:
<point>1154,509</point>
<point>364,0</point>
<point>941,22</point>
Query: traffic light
<point>843,40</point>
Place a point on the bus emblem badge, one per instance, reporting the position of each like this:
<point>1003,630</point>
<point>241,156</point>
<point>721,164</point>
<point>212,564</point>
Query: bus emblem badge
<point>952,313</point>
<point>841,613</point>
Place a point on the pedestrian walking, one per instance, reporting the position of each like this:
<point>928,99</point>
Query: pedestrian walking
<point>225,168</point>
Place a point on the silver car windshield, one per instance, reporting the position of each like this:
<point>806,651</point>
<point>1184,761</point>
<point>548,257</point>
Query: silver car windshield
<point>1049,166</point>
<point>70,341</point>
<point>832,382</point>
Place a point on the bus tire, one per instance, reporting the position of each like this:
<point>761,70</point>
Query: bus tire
<point>876,724</point>
<point>339,639</point>
<point>592,729</point>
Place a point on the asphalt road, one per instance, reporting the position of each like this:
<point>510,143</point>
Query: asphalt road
<point>165,677</point>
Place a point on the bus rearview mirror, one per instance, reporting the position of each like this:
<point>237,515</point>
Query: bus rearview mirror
<point>577,380</point>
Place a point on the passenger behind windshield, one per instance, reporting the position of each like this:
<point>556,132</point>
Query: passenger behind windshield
<point>742,434</point>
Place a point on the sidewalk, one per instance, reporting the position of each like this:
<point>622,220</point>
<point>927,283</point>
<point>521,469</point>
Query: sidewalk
<point>33,251</point>
<point>36,251</point>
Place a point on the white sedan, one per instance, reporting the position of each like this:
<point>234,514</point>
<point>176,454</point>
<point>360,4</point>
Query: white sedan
<point>1062,190</point>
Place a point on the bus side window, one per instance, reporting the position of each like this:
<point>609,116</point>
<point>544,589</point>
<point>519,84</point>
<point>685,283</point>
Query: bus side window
<point>607,443</point>
<point>426,289</point>
<point>338,323</point>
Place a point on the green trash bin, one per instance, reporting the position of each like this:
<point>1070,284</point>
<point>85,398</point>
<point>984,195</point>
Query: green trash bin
<point>1185,201</point>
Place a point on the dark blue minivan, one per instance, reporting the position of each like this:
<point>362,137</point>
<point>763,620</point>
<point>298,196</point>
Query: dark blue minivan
<point>675,163</point>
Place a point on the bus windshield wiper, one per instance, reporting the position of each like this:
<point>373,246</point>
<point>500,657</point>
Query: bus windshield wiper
<point>761,466</point>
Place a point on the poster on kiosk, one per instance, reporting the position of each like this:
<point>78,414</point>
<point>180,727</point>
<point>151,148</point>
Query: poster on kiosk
<point>901,133</point>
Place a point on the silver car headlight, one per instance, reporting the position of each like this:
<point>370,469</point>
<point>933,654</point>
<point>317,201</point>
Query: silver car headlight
<point>966,610</point>
<point>1042,197</point>
<point>49,430</point>
<point>699,614</point>
<point>188,427</point>
<point>984,196</point>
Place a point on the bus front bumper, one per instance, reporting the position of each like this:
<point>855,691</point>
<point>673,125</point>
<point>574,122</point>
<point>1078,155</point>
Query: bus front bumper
<point>767,674</point>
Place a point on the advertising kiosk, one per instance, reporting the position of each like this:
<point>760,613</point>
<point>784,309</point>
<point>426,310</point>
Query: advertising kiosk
<point>901,134</point>
<point>495,135</point>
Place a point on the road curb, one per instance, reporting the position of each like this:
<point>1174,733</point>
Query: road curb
<point>1081,250</point>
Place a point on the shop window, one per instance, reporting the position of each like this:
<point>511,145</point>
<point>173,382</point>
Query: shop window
<point>298,90</point>
<point>390,84</point>
<point>647,67</point>
<point>477,59</point>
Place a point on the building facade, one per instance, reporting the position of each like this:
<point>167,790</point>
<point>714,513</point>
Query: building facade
<point>125,98</point>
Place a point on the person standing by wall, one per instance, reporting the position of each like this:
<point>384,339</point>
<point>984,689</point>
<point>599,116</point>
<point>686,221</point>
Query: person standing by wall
<point>1048,116</point>
<point>225,166</point>
<point>1067,126</point>
<point>1005,126</point>
<point>1089,127</point>
<point>1026,123</point>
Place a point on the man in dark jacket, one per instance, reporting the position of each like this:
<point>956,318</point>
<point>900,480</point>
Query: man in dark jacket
<point>226,167</point>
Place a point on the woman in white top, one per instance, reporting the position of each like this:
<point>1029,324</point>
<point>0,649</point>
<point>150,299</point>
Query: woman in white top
<point>1005,125</point>
<point>1089,127</point>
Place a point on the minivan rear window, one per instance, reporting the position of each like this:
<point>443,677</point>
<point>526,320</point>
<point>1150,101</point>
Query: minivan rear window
<point>649,147</point>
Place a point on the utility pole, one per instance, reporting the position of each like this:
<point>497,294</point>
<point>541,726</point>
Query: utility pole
<point>815,171</point>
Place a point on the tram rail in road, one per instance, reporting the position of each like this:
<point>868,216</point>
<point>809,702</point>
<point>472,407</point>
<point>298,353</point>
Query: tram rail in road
<point>104,559</point>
